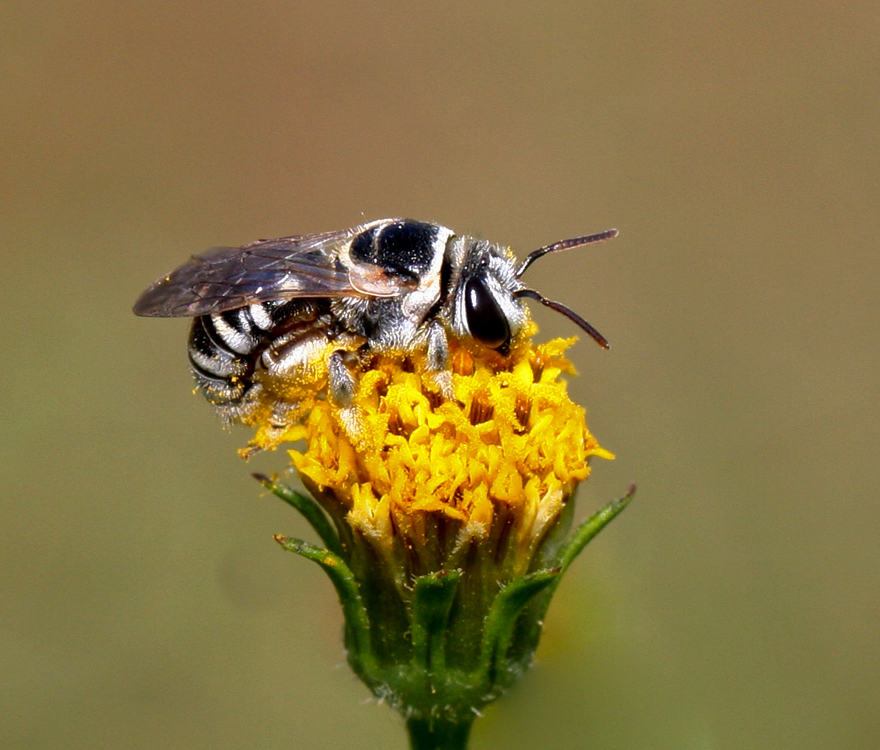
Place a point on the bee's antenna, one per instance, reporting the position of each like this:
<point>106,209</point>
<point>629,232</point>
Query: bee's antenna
<point>568,313</point>
<point>608,234</point>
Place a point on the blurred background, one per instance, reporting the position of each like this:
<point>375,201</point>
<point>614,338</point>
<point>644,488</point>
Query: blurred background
<point>735,603</point>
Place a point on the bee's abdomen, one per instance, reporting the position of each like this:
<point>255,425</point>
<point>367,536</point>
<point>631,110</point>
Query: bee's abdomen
<point>225,348</point>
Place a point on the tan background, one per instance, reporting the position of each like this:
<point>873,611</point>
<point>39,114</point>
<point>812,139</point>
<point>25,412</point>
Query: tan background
<point>734,605</point>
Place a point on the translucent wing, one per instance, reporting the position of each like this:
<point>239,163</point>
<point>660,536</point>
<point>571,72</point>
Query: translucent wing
<point>312,265</point>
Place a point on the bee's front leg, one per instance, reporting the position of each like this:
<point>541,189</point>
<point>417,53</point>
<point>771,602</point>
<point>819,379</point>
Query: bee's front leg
<point>438,360</point>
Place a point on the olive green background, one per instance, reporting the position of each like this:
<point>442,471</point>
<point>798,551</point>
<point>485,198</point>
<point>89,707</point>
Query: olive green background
<point>143,604</point>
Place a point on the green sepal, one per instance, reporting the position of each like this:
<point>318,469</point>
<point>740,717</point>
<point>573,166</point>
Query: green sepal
<point>502,618</point>
<point>310,510</point>
<point>357,623</point>
<point>528,628</point>
<point>433,595</point>
<point>592,526</point>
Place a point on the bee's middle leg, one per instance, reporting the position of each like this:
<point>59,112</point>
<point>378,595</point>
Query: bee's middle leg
<point>341,388</point>
<point>341,383</point>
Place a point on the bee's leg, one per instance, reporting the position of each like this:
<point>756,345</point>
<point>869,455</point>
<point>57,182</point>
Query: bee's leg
<point>341,386</point>
<point>271,434</point>
<point>341,382</point>
<point>438,360</point>
<point>280,419</point>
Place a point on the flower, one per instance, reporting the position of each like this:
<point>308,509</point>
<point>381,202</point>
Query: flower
<point>444,519</point>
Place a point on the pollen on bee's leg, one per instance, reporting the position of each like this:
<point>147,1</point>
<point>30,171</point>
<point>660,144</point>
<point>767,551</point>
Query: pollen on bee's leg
<point>239,409</point>
<point>351,418</point>
<point>443,381</point>
<point>268,438</point>
<point>250,450</point>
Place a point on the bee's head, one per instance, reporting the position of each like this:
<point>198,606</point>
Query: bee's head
<point>484,306</point>
<point>487,307</point>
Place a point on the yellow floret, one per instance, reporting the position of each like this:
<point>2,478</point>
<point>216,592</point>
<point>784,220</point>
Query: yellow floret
<point>511,446</point>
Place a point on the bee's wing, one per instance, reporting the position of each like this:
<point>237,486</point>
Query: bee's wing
<point>313,265</point>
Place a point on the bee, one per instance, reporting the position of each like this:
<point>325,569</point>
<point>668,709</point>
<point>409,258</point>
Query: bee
<point>286,307</point>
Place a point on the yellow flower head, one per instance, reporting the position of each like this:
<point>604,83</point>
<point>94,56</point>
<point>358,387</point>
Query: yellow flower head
<point>425,475</point>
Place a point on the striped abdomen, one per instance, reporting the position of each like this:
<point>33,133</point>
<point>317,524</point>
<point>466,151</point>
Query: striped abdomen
<point>228,349</point>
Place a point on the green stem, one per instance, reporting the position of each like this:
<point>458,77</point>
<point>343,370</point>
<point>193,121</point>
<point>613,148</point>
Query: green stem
<point>438,734</point>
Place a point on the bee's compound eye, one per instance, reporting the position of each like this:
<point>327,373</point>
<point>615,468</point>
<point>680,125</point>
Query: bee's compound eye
<point>485,319</point>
